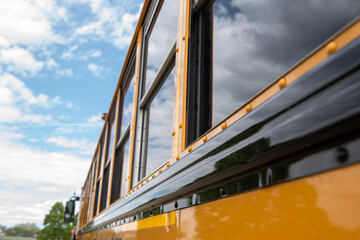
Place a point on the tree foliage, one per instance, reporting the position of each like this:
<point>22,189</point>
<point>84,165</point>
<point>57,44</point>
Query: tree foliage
<point>55,228</point>
<point>23,229</point>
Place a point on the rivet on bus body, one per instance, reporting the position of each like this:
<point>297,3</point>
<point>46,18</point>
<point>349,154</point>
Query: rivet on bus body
<point>205,139</point>
<point>133,190</point>
<point>177,49</point>
<point>126,195</point>
<point>168,164</point>
<point>142,184</point>
<point>180,125</point>
<point>190,149</point>
<point>224,125</point>
<point>137,187</point>
<point>183,37</point>
<point>153,175</point>
<point>147,180</point>
<point>331,48</point>
<point>248,108</point>
<point>282,83</point>
<point>160,171</point>
<point>173,133</point>
<point>177,158</point>
<point>134,82</point>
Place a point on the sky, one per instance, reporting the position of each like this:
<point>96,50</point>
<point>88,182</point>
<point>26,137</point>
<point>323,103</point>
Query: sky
<point>59,65</point>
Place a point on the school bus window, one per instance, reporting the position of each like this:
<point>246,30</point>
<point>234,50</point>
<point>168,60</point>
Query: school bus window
<point>156,103</point>
<point>91,189</point>
<point>112,128</point>
<point>160,113</point>
<point>125,169</point>
<point>105,174</point>
<point>94,190</point>
<point>96,201</point>
<point>101,173</point>
<point>266,38</point>
<point>160,37</point>
<point>118,185</point>
<point>127,101</point>
<point>122,159</point>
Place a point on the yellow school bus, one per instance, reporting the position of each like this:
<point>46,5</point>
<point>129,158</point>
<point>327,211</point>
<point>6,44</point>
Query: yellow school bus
<point>232,119</point>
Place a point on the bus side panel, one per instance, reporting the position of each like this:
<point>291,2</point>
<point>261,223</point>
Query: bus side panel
<point>164,226</point>
<point>323,206</point>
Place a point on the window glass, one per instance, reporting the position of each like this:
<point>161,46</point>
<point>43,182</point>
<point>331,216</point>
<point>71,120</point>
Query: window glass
<point>104,190</point>
<point>162,37</point>
<point>102,153</point>
<point>160,125</point>
<point>128,104</point>
<point>95,165</point>
<point>112,134</point>
<point>96,198</point>
<point>125,168</point>
<point>255,42</point>
<point>117,174</point>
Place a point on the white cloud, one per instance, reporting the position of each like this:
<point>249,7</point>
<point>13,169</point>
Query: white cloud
<point>97,70</point>
<point>21,61</point>
<point>95,118</point>
<point>69,105</point>
<point>35,175</point>
<point>65,72</point>
<point>111,24</point>
<point>94,53</point>
<point>84,146</point>
<point>69,54</point>
<point>17,102</point>
<point>4,42</point>
<point>29,22</point>
<point>50,63</point>
<point>74,53</point>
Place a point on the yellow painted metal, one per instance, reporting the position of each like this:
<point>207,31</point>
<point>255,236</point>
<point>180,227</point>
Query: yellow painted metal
<point>164,226</point>
<point>176,114</point>
<point>165,219</point>
<point>184,80</point>
<point>324,206</point>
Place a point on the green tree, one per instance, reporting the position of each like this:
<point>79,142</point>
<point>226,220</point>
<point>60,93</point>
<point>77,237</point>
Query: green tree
<point>54,226</point>
<point>26,229</point>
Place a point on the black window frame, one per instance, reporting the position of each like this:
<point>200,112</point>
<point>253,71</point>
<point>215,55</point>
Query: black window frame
<point>199,79</point>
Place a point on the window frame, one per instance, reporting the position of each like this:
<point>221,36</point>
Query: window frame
<point>146,96</point>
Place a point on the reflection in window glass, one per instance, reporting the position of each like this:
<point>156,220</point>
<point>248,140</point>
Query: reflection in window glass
<point>128,105</point>
<point>96,202</point>
<point>111,137</point>
<point>266,38</point>
<point>160,126</point>
<point>102,153</point>
<point>162,37</point>
<point>95,165</point>
<point>125,168</point>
